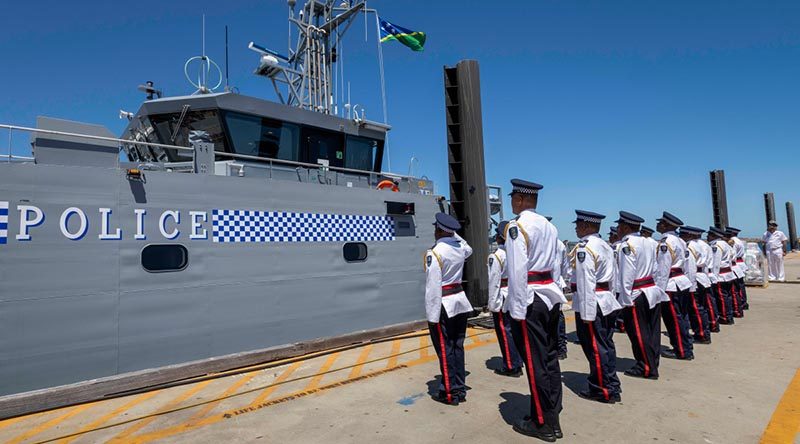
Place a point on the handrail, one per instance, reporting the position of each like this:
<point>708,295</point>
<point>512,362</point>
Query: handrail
<point>86,136</point>
<point>307,165</point>
<point>220,153</point>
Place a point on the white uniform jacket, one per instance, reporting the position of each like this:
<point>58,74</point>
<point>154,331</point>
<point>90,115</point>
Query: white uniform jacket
<point>773,242</point>
<point>615,278</point>
<point>671,257</point>
<point>723,268</point>
<point>563,274</point>
<point>703,258</point>
<point>444,265</point>
<point>498,282</point>
<point>739,248</point>
<point>531,247</point>
<point>690,267</point>
<point>637,266</point>
<point>594,275</point>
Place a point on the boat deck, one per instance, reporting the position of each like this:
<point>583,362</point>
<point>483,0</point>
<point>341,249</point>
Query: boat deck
<point>743,388</point>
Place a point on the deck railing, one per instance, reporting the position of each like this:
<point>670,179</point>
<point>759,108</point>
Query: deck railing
<point>269,161</point>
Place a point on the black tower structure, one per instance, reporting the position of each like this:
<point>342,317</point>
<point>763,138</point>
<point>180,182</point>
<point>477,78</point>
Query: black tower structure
<point>719,199</point>
<point>769,207</point>
<point>468,192</point>
<point>791,226</point>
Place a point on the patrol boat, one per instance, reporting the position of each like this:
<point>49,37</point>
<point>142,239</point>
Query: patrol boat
<point>236,230</point>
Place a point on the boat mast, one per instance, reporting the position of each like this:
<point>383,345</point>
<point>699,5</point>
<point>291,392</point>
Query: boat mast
<point>306,74</point>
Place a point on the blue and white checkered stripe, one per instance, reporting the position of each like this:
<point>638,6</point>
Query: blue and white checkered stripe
<point>3,222</point>
<point>276,226</point>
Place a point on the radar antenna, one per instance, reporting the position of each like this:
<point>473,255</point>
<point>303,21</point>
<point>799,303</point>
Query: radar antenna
<point>204,68</point>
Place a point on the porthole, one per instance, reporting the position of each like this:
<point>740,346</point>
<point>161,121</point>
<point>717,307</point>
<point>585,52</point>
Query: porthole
<point>355,252</point>
<point>161,258</point>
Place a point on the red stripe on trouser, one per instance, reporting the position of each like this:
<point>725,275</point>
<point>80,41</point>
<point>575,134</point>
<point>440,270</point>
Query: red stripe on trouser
<point>531,376</point>
<point>724,314</point>
<point>713,316</point>
<point>443,359</point>
<point>699,319</point>
<point>597,362</point>
<point>735,298</point>
<point>641,344</point>
<point>505,340</point>
<point>678,334</point>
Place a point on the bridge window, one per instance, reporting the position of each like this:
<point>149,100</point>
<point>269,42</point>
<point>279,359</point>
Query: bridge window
<point>162,258</point>
<point>320,145</point>
<point>166,126</point>
<point>262,137</point>
<point>360,153</point>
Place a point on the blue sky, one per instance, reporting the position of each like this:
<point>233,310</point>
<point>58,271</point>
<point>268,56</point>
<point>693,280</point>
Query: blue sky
<point>611,105</point>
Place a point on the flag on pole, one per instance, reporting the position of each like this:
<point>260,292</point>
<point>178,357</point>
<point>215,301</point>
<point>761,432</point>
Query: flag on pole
<point>413,39</point>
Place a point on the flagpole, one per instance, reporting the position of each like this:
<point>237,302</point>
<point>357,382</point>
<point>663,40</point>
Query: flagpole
<point>383,86</point>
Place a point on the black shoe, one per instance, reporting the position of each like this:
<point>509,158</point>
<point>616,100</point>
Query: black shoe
<point>670,354</point>
<point>746,307</point>
<point>612,399</point>
<point>725,322</point>
<point>638,374</point>
<point>455,399</point>
<point>701,341</point>
<point>529,428</point>
<point>715,330</point>
<point>513,373</point>
<point>562,356</point>
<point>738,315</point>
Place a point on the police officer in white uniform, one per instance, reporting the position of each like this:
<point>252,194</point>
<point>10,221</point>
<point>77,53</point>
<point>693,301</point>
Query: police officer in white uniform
<point>498,291</point>
<point>775,249</point>
<point>672,255</point>
<point>613,242</point>
<point>706,279</point>
<point>534,302</point>
<point>561,275</point>
<point>647,234</point>
<point>695,271</point>
<point>596,308</point>
<point>447,307</point>
<point>723,254</point>
<point>739,269</point>
<point>640,296</point>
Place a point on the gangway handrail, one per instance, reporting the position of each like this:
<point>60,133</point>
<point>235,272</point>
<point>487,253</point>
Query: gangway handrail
<point>184,148</point>
<point>87,136</point>
<point>308,165</point>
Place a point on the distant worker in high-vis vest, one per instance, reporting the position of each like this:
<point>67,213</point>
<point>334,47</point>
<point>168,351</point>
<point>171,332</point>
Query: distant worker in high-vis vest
<point>447,307</point>
<point>498,292</point>
<point>775,249</point>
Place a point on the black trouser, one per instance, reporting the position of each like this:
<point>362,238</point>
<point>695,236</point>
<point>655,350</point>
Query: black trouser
<point>597,342</point>
<point>709,301</point>
<point>698,315</point>
<point>502,327</point>
<point>740,298</point>
<point>676,318</point>
<point>735,298</point>
<point>537,340</point>
<point>743,294</point>
<point>724,303</point>
<point>447,337</point>
<point>642,324</point>
<point>562,333</point>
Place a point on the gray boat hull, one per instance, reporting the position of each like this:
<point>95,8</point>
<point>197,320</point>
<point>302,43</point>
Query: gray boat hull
<point>74,310</point>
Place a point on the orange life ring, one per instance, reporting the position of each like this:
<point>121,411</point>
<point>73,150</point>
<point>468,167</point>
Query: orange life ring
<point>388,184</point>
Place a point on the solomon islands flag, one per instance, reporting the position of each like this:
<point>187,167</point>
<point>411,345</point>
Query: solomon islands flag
<point>413,39</point>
